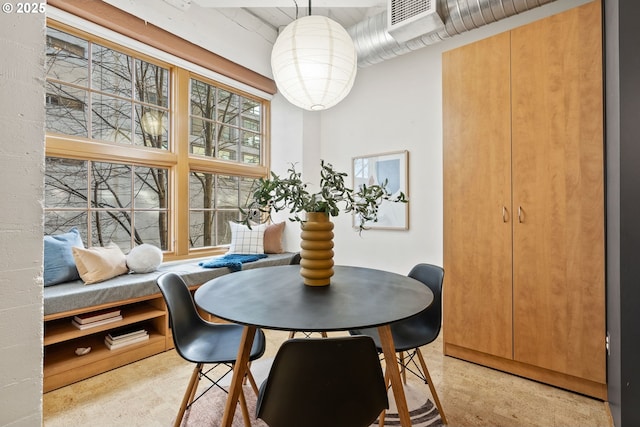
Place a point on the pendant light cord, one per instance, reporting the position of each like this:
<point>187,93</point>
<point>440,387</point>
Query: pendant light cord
<point>296,3</point>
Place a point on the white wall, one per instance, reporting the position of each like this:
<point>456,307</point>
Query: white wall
<point>21,185</point>
<point>396,105</point>
<point>393,106</point>
<point>295,140</point>
<point>287,133</point>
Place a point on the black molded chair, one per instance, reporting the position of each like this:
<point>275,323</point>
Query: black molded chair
<point>295,261</point>
<point>423,328</point>
<point>202,342</point>
<point>324,382</point>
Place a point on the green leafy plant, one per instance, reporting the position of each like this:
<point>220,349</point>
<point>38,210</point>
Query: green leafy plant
<point>278,193</point>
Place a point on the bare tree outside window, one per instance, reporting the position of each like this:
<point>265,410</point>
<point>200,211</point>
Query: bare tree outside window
<point>123,203</point>
<point>214,200</point>
<point>99,98</point>
<point>226,126</point>
<point>109,202</point>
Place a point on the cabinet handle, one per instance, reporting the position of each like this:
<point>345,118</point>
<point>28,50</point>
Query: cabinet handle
<point>520,215</point>
<point>504,214</point>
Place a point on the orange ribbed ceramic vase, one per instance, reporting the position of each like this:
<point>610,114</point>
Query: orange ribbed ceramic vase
<point>316,254</point>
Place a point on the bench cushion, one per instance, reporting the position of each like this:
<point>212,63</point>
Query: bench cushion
<point>76,295</point>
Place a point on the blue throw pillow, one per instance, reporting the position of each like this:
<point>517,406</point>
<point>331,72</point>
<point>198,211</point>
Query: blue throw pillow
<point>59,265</point>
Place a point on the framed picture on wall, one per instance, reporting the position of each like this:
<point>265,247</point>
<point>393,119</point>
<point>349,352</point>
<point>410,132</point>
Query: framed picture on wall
<point>375,170</point>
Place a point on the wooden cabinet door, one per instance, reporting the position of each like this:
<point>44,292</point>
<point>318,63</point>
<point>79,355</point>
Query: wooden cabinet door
<point>559,295</point>
<point>477,289</point>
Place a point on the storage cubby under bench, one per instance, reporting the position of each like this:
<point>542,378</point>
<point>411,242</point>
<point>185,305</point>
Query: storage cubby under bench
<point>141,306</point>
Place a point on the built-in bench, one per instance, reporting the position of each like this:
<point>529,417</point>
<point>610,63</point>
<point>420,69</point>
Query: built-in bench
<point>75,295</point>
<point>140,303</point>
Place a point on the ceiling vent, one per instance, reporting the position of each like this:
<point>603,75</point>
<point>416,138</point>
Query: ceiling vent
<point>408,19</point>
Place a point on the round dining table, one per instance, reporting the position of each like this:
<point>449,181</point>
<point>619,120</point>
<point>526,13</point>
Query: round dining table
<point>276,298</point>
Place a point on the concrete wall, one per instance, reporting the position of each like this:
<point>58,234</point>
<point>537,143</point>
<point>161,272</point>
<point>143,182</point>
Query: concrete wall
<point>21,189</point>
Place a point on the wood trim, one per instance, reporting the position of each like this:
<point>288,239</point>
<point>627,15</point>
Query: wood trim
<point>222,167</point>
<point>557,379</point>
<point>180,190</point>
<point>117,20</point>
<point>92,38</point>
<point>87,309</point>
<point>86,149</point>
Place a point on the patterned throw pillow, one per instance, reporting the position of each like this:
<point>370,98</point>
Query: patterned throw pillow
<point>245,240</point>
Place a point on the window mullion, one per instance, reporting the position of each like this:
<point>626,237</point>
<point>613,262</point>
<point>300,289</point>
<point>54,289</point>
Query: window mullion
<point>180,137</point>
<point>89,90</point>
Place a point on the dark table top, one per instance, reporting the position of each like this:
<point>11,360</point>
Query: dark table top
<point>276,298</point>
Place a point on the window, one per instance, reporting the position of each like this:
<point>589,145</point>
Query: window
<point>103,94</point>
<point>121,164</point>
<point>117,203</point>
<point>224,124</point>
<point>214,201</point>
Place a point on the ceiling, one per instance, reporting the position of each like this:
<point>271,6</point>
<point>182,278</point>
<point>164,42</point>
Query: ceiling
<point>279,13</point>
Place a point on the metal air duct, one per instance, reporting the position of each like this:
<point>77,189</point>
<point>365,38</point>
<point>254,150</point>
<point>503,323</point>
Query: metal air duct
<point>374,44</point>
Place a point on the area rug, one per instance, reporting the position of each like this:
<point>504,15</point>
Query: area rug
<point>208,410</point>
<point>422,410</point>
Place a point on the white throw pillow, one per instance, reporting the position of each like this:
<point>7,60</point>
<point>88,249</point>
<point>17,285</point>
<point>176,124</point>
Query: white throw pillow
<point>144,258</point>
<point>245,240</point>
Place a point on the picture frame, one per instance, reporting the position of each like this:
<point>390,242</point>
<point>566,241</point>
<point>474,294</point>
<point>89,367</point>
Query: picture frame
<point>374,169</point>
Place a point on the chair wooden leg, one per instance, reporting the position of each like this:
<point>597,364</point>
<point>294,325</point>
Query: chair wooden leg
<point>245,410</point>
<point>387,377</point>
<point>292,334</point>
<point>403,367</point>
<point>194,388</point>
<point>387,382</point>
<point>188,394</point>
<point>323,334</point>
<point>431,387</point>
<point>381,418</point>
<point>244,380</point>
<point>252,381</point>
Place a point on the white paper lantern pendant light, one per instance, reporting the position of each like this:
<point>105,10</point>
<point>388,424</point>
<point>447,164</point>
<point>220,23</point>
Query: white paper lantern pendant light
<point>314,62</point>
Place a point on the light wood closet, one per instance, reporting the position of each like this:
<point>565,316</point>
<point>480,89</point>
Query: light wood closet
<point>524,202</point>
